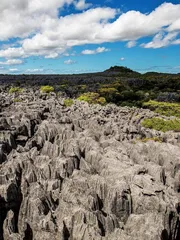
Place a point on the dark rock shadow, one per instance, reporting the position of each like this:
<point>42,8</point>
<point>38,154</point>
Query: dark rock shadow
<point>28,233</point>
<point>66,233</point>
<point>3,213</point>
<point>164,235</point>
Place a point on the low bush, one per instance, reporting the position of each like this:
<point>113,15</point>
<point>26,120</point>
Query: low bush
<point>63,87</point>
<point>47,89</point>
<point>164,108</point>
<point>101,100</point>
<point>15,90</point>
<point>82,87</point>
<point>161,124</point>
<point>155,139</point>
<point>92,98</point>
<point>68,102</point>
<point>115,85</point>
<point>109,93</point>
<point>17,100</point>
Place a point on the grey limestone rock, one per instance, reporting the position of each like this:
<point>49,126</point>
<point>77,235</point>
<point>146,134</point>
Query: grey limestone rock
<point>80,172</point>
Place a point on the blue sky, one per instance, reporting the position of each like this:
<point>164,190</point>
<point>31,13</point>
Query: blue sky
<point>75,36</point>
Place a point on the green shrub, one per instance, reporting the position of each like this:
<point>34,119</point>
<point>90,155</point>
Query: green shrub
<point>128,96</point>
<point>15,90</point>
<point>17,100</point>
<point>164,108</point>
<point>161,124</point>
<point>141,94</point>
<point>108,90</point>
<point>46,89</point>
<point>109,93</point>
<point>155,139</point>
<point>101,100</point>
<point>63,86</point>
<point>82,87</point>
<point>128,103</point>
<point>92,98</point>
<point>115,85</point>
<point>68,102</point>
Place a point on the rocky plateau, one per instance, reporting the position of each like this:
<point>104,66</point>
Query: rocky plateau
<point>84,173</point>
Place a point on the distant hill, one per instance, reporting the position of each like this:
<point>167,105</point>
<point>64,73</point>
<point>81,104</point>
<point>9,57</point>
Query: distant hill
<point>121,71</point>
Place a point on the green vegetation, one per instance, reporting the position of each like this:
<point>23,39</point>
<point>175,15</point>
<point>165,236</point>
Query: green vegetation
<point>158,92</point>
<point>115,84</point>
<point>17,100</point>
<point>108,90</point>
<point>47,89</point>
<point>68,102</point>
<point>161,124</point>
<point>155,139</point>
<point>101,101</point>
<point>92,98</point>
<point>15,90</point>
<point>124,87</point>
<point>63,87</point>
<point>82,87</point>
<point>164,108</point>
<point>109,93</point>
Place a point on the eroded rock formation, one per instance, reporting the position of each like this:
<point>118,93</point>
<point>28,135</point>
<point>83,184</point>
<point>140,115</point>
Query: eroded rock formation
<point>80,172</point>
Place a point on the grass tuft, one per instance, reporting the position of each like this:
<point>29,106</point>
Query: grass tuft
<point>68,102</point>
<point>46,89</point>
<point>16,90</point>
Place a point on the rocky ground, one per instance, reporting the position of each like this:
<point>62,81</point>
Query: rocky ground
<point>84,172</point>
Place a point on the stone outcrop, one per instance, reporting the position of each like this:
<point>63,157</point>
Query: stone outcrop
<point>83,173</point>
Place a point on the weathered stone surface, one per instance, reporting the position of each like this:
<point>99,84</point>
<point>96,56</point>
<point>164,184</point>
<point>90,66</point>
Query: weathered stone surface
<point>79,173</point>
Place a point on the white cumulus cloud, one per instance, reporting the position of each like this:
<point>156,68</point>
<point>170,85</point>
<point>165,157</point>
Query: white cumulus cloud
<point>52,55</point>
<point>161,40</point>
<point>35,70</point>
<point>42,32</point>
<point>13,70</point>
<point>12,62</point>
<point>69,62</point>
<point>95,51</point>
<point>131,44</point>
<point>81,5</point>
<point>176,42</point>
<point>12,52</point>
